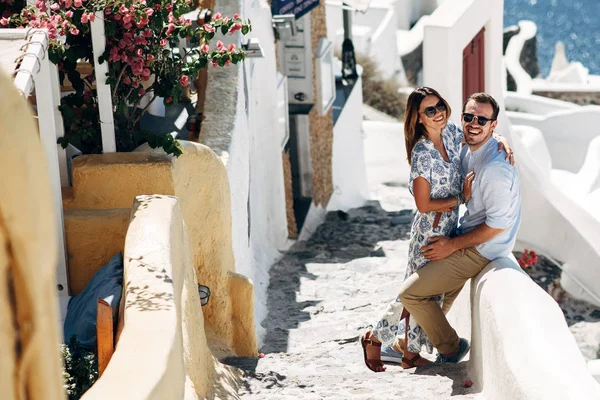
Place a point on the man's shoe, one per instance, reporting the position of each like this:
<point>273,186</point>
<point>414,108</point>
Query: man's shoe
<point>463,349</point>
<point>389,355</point>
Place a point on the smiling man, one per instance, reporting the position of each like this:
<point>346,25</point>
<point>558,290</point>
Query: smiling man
<point>487,231</point>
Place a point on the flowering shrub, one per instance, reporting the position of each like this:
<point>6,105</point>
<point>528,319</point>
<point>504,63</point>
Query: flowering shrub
<point>528,258</point>
<point>142,49</point>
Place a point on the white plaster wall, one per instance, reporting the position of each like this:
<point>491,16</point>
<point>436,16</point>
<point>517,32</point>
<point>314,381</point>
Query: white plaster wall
<point>268,220</point>
<point>556,225</point>
<point>451,27</point>
<point>521,347</point>
<point>349,171</point>
<point>409,11</point>
<point>374,33</point>
<point>255,170</point>
<point>385,147</point>
<point>567,133</point>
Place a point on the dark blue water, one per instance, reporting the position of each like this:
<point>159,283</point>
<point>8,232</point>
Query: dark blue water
<point>574,22</point>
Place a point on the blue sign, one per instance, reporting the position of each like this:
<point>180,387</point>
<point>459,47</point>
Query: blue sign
<point>296,7</point>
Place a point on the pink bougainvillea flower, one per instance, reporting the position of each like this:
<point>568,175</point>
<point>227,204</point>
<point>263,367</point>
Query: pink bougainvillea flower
<point>468,383</point>
<point>149,12</point>
<point>170,29</point>
<point>184,81</point>
<point>164,42</point>
<point>150,57</point>
<point>235,27</point>
<point>208,28</point>
<point>231,47</point>
<point>220,45</point>
<point>78,3</point>
<point>168,99</point>
<point>217,16</point>
<point>141,92</point>
<point>127,80</point>
<point>214,63</point>
<point>92,17</point>
<point>84,18</point>
<point>226,20</point>
<point>4,21</point>
<point>236,16</point>
<point>74,31</point>
<point>54,6</point>
<point>227,63</point>
<point>169,7</point>
<point>204,48</point>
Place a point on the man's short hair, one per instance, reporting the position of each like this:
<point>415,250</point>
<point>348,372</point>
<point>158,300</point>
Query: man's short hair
<point>484,98</point>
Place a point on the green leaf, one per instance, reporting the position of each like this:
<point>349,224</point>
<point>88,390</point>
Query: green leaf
<point>245,30</point>
<point>224,29</point>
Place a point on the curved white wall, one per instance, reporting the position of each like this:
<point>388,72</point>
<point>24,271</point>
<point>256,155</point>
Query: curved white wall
<point>513,55</point>
<point>349,171</point>
<point>567,133</point>
<point>556,225</point>
<point>537,105</point>
<point>521,347</point>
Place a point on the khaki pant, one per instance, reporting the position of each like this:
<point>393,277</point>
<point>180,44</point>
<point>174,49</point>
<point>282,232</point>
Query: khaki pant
<point>447,277</point>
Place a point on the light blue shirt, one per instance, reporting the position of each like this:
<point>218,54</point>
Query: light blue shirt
<point>495,200</point>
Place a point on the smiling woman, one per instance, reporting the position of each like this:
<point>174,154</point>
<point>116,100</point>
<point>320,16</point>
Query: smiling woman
<point>433,150</point>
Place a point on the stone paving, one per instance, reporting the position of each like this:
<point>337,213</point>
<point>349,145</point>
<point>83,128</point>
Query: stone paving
<point>323,294</point>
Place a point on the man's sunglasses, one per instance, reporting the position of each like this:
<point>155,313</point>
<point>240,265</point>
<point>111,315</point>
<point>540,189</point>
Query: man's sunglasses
<point>481,121</point>
<point>431,110</point>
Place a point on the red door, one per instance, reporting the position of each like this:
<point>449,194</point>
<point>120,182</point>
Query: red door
<point>473,66</point>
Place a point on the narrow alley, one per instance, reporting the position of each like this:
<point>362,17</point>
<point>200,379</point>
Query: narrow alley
<point>324,293</point>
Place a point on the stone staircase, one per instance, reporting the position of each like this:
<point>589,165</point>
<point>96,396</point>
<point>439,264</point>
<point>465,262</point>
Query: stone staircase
<point>323,295</point>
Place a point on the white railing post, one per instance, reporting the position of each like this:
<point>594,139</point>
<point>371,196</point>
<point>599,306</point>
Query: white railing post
<point>51,127</point>
<point>107,124</point>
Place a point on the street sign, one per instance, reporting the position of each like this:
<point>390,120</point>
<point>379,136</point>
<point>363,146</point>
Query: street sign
<point>296,7</point>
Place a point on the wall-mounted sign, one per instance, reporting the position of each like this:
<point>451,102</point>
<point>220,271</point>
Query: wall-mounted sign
<point>297,65</point>
<point>296,7</point>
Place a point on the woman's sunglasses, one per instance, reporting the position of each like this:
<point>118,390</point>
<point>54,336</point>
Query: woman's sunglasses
<point>431,110</point>
<point>481,121</point>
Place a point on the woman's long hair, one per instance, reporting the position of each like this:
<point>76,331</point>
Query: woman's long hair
<point>413,129</point>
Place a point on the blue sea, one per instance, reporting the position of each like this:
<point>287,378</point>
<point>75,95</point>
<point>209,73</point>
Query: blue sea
<point>574,22</point>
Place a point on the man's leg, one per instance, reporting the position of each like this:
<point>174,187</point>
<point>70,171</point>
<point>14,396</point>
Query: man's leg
<point>436,278</point>
<point>449,299</point>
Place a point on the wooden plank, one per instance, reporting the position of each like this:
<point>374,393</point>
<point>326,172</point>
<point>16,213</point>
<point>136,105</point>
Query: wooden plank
<point>104,335</point>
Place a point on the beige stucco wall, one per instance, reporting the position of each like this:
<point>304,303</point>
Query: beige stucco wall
<point>199,179</point>
<point>162,351</point>
<point>289,196</point>
<point>93,237</point>
<point>28,258</point>
<point>321,127</point>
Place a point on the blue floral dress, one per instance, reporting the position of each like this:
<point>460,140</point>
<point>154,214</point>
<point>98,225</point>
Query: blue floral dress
<point>445,180</point>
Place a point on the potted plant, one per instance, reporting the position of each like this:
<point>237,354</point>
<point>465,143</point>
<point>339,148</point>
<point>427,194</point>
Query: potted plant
<point>142,49</point>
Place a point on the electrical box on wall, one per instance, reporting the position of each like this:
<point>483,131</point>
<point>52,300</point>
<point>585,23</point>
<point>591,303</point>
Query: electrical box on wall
<point>298,67</point>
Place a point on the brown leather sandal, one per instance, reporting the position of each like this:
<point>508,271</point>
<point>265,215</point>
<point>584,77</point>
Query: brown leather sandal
<point>408,363</point>
<point>370,363</point>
